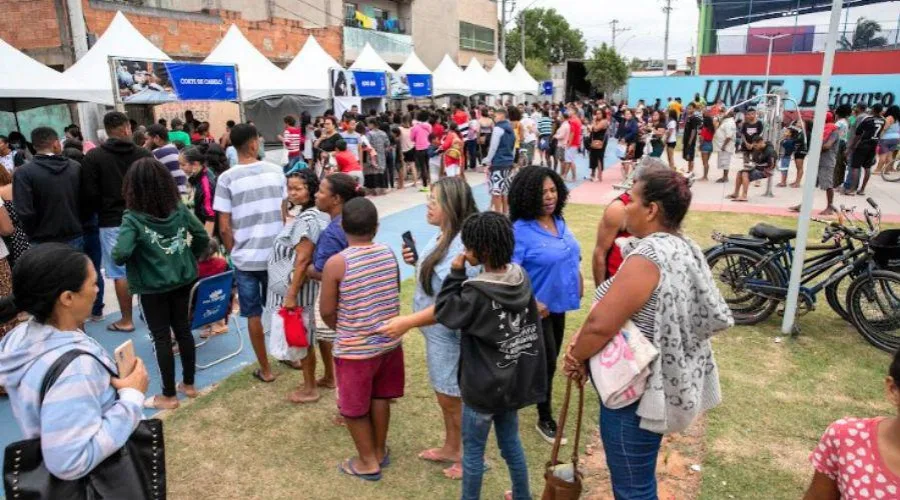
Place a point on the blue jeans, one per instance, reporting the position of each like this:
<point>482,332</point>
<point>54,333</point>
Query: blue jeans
<point>475,430</point>
<point>93,251</point>
<point>631,453</point>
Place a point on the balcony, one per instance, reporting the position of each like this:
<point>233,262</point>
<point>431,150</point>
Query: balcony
<point>394,48</point>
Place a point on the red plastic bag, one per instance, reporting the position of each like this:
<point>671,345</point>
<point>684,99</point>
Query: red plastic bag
<point>294,329</point>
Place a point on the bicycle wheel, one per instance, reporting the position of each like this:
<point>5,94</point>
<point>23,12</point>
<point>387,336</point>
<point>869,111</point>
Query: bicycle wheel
<point>891,172</point>
<point>874,303</point>
<point>730,267</point>
<point>836,295</point>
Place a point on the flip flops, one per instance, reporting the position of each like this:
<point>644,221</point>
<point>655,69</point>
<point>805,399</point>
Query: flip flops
<point>346,467</point>
<point>257,374</point>
<point>113,327</point>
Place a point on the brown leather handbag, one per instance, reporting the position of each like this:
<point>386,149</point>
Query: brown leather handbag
<point>556,488</point>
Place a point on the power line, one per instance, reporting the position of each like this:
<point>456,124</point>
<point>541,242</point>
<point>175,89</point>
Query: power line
<point>615,31</point>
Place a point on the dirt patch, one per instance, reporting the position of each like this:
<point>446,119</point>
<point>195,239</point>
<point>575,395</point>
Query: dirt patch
<point>677,480</point>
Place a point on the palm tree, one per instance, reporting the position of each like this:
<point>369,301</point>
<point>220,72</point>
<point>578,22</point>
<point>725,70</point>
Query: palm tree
<point>864,36</point>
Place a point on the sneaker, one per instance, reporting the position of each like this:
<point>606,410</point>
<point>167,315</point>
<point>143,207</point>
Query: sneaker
<point>547,430</point>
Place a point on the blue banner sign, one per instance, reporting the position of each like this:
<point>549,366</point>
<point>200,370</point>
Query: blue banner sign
<point>547,87</point>
<point>419,85</point>
<point>153,82</point>
<point>370,83</point>
<point>845,89</point>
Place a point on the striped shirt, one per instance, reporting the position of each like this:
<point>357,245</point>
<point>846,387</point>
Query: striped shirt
<point>645,318</point>
<point>168,156</point>
<point>252,194</point>
<point>293,139</point>
<point>308,225</point>
<point>545,126</point>
<point>369,294</point>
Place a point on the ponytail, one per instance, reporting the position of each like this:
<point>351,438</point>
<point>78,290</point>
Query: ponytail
<point>345,187</point>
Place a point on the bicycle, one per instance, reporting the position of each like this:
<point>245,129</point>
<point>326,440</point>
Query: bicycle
<point>754,272</point>
<point>891,171</point>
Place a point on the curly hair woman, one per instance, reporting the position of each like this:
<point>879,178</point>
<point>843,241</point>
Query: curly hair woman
<point>548,251</point>
<point>161,267</point>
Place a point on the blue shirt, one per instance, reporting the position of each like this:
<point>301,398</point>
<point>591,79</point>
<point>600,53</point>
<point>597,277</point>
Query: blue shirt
<point>422,300</point>
<point>332,240</point>
<point>552,263</point>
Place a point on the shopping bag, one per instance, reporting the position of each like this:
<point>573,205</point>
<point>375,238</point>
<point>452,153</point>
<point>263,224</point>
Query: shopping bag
<point>277,341</point>
<point>294,329</point>
<point>562,480</point>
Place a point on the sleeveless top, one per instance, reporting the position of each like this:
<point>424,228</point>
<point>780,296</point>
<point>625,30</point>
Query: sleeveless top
<point>614,256</point>
<point>369,294</point>
<point>599,135</point>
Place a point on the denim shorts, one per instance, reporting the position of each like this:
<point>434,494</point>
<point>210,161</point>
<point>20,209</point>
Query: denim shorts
<point>108,237</point>
<point>251,287</point>
<point>785,164</point>
<point>442,357</point>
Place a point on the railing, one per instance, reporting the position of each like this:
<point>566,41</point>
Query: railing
<point>395,25</point>
<point>392,47</point>
<point>802,39</point>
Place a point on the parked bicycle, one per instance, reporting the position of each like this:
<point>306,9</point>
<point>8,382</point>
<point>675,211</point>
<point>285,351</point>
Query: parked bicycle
<point>859,269</point>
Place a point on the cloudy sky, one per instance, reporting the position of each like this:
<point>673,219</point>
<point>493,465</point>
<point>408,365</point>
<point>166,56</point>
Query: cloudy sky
<point>647,23</point>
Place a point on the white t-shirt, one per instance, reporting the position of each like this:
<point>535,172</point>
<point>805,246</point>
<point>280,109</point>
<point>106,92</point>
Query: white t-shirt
<point>530,128</point>
<point>671,132</point>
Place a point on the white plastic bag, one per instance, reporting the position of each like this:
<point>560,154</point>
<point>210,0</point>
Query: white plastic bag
<point>276,343</point>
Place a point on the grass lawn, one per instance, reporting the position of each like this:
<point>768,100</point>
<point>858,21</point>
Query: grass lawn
<point>243,440</point>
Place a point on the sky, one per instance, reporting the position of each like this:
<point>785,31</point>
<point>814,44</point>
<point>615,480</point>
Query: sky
<point>647,23</point>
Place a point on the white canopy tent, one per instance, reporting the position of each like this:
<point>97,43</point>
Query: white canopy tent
<point>414,66</point>
<point>501,80</point>
<point>448,79</point>
<point>522,81</point>
<point>257,76</point>
<point>92,72</point>
<point>308,73</point>
<point>26,83</point>
<point>478,79</point>
<point>369,60</point>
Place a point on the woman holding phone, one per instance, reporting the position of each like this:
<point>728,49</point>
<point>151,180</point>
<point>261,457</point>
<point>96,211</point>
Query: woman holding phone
<point>450,203</point>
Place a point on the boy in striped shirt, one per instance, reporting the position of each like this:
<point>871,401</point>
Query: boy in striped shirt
<point>360,291</point>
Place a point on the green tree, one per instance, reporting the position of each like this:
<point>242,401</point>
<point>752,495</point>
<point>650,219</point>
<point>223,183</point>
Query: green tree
<point>865,36</point>
<point>548,37</point>
<point>537,68</point>
<point>606,70</point>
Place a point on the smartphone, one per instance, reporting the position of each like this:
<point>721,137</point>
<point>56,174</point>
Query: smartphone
<point>125,358</point>
<point>410,244</point>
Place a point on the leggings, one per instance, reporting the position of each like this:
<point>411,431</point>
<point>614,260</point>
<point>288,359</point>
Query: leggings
<point>389,168</point>
<point>471,154</point>
<point>422,166</point>
<point>596,159</point>
<point>554,326</point>
<point>166,313</point>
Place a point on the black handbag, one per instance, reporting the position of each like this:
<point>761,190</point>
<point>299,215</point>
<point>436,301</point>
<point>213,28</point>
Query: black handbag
<point>137,471</point>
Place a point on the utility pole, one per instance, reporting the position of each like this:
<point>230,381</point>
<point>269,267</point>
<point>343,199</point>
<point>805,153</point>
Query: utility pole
<point>522,37</point>
<point>615,31</point>
<point>668,10</point>
<point>502,33</point>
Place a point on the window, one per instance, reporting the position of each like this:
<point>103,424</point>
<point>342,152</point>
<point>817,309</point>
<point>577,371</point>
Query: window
<point>474,37</point>
<point>350,14</point>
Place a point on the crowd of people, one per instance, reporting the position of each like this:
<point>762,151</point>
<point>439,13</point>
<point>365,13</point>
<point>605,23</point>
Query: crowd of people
<point>154,209</point>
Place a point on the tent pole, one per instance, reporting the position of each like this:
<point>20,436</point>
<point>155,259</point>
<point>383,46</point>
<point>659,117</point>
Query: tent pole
<point>809,183</point>
<point>15,112</point>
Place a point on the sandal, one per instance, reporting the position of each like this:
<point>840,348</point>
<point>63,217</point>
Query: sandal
<point>430,455</point>
<point>151,403</point>
<point>454,472</point>
<point>193,393</point>
<point>257,374</point>
<point>346,467</point>
<point>114,327</point>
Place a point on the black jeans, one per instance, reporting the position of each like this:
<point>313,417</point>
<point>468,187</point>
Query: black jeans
<point>472,154</point>
<point>554,327</point>
<point>389,167</point>
<point>166,313</point>
<point>422,166</point>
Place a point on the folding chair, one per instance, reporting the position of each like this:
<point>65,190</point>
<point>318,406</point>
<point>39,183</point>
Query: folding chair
<point>210,301</point>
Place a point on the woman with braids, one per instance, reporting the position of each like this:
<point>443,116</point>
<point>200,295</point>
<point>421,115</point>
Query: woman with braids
<point>450,203</point>
<point>665,288</point>
<point>502,366</point>
<point>292,253</point>
<point>548,251</point>
<point>860,457</point>
<point>161,267</point>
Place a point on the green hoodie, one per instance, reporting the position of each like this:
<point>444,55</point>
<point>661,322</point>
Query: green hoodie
<point>155,251</point>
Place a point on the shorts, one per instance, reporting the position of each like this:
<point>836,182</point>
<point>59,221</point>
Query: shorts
<point>706,147</point>
<point>723,160</point>
<point>359,381</point>
<point>756,174</point>
<point>571,154</point>
<point>559,153</point>
<point>108,237</point>
<point>785,164</point>
<point>689,151</point>
<point>885,146</point>
<point>324,333</point>
<point>451,170</point>
<point>800,155</point>
<point>358,175</point>
<point>442,358</point>
<point>544,143</point>
<point>409,156</point>
<point>498,182</point>
<point>863,157</point>
<point>251,287</point>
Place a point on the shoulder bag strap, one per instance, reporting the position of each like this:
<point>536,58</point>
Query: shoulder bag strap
<point>563,413</point>
<point>577,426</point>
<point>60,365</point>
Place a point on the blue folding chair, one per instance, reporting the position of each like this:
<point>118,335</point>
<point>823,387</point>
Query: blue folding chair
<point>211,300</point>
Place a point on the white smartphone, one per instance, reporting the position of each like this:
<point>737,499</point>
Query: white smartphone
<point>125,358</point>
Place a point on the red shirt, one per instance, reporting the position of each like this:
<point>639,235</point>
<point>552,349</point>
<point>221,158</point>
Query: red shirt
<point>347,162</point>
<point>706,134</point>
<point>614,257</point>
<point>460,117</point>
<point>574,132</point>
<point>438,130</point>
<point>211,267</point>
<point>293,141</point>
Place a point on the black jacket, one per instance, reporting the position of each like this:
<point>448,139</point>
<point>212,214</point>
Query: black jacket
<point>47,196</point>
<point>503,362</point>
<point>104,169</point>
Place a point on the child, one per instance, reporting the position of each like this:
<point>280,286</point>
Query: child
<point>292,139</point>
<point>503,363</point>
<point>788,145</point>
<point>212,263</point>
<point>360,291</point>
<point>434,157</point>
<point>347,163</point>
